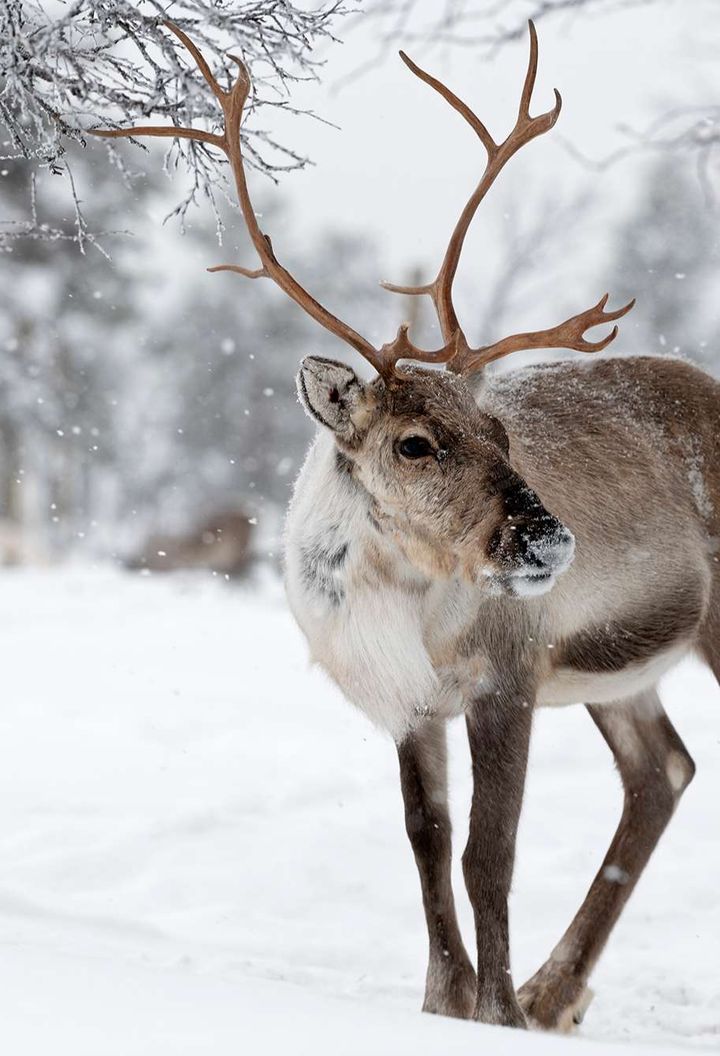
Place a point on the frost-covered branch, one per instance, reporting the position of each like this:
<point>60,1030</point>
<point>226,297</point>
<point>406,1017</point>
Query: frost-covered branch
<point>692,130</point>
<point>34,229</point>
<point>477,23</point>
<point>65,68</point>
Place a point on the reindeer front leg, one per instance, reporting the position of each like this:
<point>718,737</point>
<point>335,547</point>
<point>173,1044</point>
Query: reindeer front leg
<point>450,982</point>
<point>499,734</point>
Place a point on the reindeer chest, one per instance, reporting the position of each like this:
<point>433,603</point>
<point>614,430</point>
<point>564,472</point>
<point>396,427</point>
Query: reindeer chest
<point>384,633</point>
<point>388,643</point>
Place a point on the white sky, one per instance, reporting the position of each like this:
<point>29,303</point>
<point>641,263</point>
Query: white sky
<point>403,162</point>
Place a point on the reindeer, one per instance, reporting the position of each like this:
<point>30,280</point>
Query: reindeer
<point>464,544</point>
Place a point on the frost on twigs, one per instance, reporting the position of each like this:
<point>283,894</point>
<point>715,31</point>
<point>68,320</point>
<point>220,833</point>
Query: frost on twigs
<point>484,24</point>
<point>34,229</point>
<point>67,68</point>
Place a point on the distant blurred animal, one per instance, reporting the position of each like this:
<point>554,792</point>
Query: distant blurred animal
<point>221,544</point>
<point>19,546</point>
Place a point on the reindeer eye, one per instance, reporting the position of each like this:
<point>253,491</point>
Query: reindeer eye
<point>415,447</point>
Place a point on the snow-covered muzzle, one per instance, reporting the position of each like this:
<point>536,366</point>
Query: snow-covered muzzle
<point>530,549</point>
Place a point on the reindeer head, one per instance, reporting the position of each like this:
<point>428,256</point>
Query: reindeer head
<point>439,470</point>
<point>440,477</point>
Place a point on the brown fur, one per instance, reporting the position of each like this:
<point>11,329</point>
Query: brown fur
<point>610,447</point>
<point>637,636</point>
<point>445,516</point>
<point>626,454</point>
<point>451,985</point>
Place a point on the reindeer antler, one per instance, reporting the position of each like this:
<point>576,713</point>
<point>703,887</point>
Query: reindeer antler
<point>566,335</point>
<point>232,104</point>
<point>455,352</point>
<point>526,128</point>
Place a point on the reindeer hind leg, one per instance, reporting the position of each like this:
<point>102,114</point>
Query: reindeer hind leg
<point>709,642</point>
<point>655,768</point>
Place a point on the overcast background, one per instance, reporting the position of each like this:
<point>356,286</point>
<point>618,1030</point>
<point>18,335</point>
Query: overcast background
<point>402,163</point>
<point>143,398</point>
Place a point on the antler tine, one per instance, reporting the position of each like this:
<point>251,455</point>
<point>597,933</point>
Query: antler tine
<point>177,131</point>
<point>569,334</point>
<point>528,86</point>
<point>401,347</point>
<point>455,102</point>
<point>169,131</point>
<point>199,59</point>
<point>525,129</point>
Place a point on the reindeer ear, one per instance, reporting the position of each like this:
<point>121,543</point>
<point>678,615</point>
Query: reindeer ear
<point>333,395</point>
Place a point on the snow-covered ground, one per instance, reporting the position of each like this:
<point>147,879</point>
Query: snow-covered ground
<point>202,846</point>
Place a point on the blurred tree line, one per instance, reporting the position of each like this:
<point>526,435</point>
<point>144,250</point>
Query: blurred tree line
<point>141,394</point>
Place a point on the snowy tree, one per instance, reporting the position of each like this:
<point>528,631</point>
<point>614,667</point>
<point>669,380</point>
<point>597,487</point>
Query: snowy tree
<point>210,395</point>
<point>64,319</point>
<point>136,397</point>
<point>486,23</point>
<point>111,62</point>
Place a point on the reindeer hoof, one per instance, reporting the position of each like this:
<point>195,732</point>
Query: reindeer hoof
<point>450,990</point>
<point>503,1012</point>
<point>553,1006</point>
<point>582,1005</point>
<point>573,1015</point>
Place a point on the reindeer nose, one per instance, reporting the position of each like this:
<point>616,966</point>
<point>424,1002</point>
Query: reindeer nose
<point>540,545</point>
<point>549,550</point>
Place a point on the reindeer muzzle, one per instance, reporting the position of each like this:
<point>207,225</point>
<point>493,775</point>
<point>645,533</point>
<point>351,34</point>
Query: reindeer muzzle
<point>528,553</point>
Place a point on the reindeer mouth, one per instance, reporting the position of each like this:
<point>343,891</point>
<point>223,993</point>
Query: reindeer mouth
<point>531,584</point>
<point>526,584</point>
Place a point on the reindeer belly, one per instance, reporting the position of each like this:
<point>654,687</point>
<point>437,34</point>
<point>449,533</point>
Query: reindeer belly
<point>568,686</point>
<point>625,655</point>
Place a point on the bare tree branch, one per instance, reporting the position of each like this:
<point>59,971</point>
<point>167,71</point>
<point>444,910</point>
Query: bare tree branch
<point>477,23</point>
<point>35,230</point>
<point>108,62</point>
